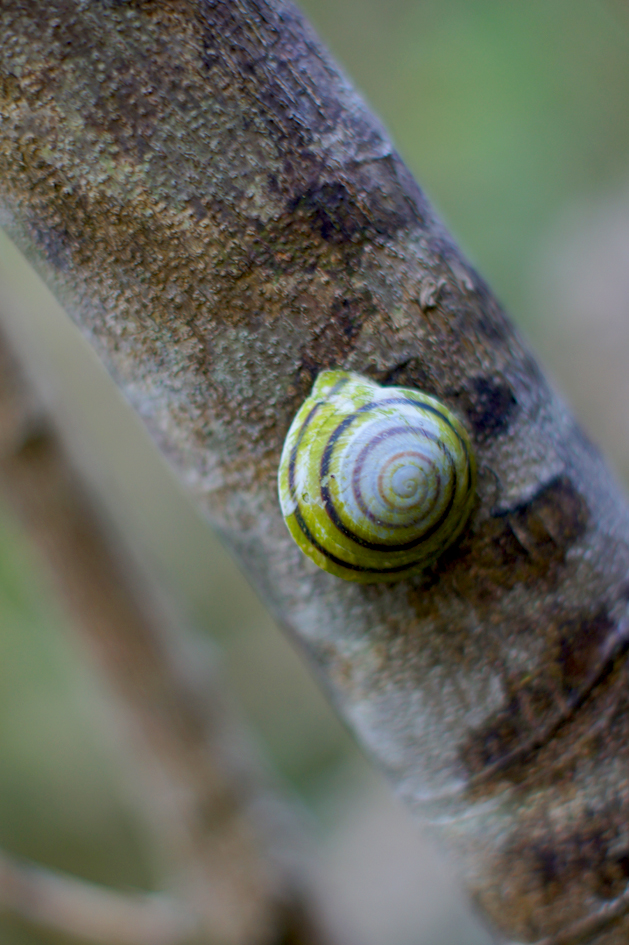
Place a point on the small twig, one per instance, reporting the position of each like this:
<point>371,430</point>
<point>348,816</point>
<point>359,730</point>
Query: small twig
<point>215,814</point>
<point>63,903</point>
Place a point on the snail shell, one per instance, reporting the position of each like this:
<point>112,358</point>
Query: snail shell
<point>374,482</point>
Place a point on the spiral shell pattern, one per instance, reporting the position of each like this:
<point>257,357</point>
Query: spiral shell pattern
<point>374,482</point>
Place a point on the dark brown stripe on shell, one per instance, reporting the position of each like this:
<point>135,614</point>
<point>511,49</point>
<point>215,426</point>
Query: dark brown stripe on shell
<point>325,466</point>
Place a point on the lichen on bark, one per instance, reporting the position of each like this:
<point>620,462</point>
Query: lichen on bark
<point>220,213</point>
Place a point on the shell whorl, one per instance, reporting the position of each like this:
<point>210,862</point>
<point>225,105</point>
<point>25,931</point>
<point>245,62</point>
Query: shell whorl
<point>374,482</point>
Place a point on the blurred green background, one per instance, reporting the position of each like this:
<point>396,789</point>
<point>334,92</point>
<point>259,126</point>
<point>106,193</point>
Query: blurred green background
<point>514,117</point>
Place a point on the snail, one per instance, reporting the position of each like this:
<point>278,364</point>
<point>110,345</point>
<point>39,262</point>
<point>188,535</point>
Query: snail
<point>374,482</point>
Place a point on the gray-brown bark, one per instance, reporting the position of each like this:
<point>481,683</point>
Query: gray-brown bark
<point>221,214</point>
<point>227,838</point>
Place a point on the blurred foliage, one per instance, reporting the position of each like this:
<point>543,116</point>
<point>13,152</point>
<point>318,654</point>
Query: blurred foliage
<point>508,113</point>
<point>62,791</point>
<point>504,111</point>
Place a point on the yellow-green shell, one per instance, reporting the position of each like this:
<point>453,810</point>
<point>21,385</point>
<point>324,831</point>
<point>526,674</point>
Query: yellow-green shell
<point>374,482</point>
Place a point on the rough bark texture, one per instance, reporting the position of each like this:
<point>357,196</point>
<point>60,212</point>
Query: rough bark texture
<point>227,838</point>
<point>221,214</point>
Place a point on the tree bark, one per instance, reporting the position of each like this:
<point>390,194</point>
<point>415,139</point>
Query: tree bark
<point>220,213</point>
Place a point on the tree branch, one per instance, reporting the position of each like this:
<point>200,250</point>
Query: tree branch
<point>62,903</point>
<point>586,929</point>
<point>213,808</point>
<point>223,217</point>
